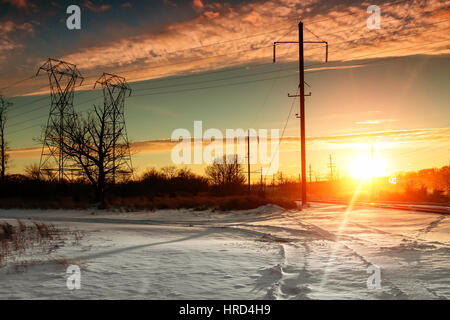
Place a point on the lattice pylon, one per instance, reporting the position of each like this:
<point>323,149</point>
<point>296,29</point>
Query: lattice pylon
<point>63,78</point>
<point>115,89</point>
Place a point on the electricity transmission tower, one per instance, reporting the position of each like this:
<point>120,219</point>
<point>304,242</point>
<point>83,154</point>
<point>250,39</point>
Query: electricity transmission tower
<point>63,78</point>
<point>301,67</point>
<point>115,89</point>
<point>331,165</point>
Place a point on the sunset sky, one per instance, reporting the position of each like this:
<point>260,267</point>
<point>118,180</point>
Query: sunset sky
<point>212,61</point>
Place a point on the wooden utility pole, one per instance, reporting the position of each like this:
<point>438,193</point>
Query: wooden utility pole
<point>301,66</point>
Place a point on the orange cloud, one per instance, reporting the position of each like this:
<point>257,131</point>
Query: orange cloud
<point>170,3</point>
<point>7,42</point>
<point>427,135</point>
<point>101,8</point>
<point>197,4</point>
<point>211,14</point>
<point>23,4</point>
<point>407,29</point>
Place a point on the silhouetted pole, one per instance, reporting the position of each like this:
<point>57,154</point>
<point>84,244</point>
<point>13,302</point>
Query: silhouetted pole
<point>248,159</point>
<point>310,174</point>
<point>302,100</point>
<point>262,185</point>
<point>302,110</point>
<point>331,166</point>
<point>4,106</point>
<point>371,174</point>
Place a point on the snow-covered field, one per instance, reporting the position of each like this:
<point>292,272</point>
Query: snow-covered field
<point>322,252</point>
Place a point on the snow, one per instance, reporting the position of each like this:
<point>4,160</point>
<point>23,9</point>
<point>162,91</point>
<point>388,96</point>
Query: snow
<point>322,252</point>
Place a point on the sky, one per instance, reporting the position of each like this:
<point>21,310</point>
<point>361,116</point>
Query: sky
<point>384,89</point>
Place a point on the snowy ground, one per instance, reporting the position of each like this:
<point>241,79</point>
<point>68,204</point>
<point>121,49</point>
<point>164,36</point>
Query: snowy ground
<point>319,253</point>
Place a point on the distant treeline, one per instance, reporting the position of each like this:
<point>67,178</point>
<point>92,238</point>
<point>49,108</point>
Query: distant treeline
<point>427,185</point>
<point>222,187</point>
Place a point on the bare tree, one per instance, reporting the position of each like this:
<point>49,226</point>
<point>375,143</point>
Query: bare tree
<point>4,106</point>
<point>223,173</point>
<point>32,171</point>
<point>92,142</point>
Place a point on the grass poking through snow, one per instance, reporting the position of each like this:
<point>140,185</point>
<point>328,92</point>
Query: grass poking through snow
<point>20,238</point>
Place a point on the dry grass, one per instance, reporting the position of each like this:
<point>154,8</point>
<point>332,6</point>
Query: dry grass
<point>16,239</point>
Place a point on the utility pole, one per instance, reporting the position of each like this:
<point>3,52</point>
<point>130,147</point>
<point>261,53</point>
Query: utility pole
<point>301,65</point>
<point>371,175</point>
<point>248,159</point>
<point>310,174</point>
<point>331,166</point>
<point>262,186</point>
<point>249,172</point>
<point>4,106</point>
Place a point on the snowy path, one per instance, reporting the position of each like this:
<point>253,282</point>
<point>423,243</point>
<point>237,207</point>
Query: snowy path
<point>320,253</point>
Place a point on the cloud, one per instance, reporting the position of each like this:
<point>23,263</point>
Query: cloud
<point>427,135</point>
<point>389,136</point>
<point>227,35</point>
<point>197,5</point>
<point>170,3</point>
<point>22,4</point>
<point>97,9</point>
<point>8,27</point>
<point>8,32</point>
<point>211,14</point>
<point>378,121</point>
<point>126,5</point>
<point>25,153</point>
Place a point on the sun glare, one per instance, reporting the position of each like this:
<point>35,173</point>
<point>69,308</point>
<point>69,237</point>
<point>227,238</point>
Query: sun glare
<point>364,168</point>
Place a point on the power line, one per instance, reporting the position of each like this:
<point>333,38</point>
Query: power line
<point>244,82</point>
<point>239,51</point>
<point>16,83</point>
<point>43,106</point>
<point>190,89</point>
<point>275,71</point>
<point>265,79</point>
<point>243,76</point>
<point>218,43</point>
<point>284,129</point>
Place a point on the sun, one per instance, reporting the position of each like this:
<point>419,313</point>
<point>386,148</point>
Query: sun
<point>364,168</point>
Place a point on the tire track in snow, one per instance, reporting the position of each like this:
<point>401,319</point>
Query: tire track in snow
<point>432,225</point>
<point>393,291</point>
<point>285,280</point>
